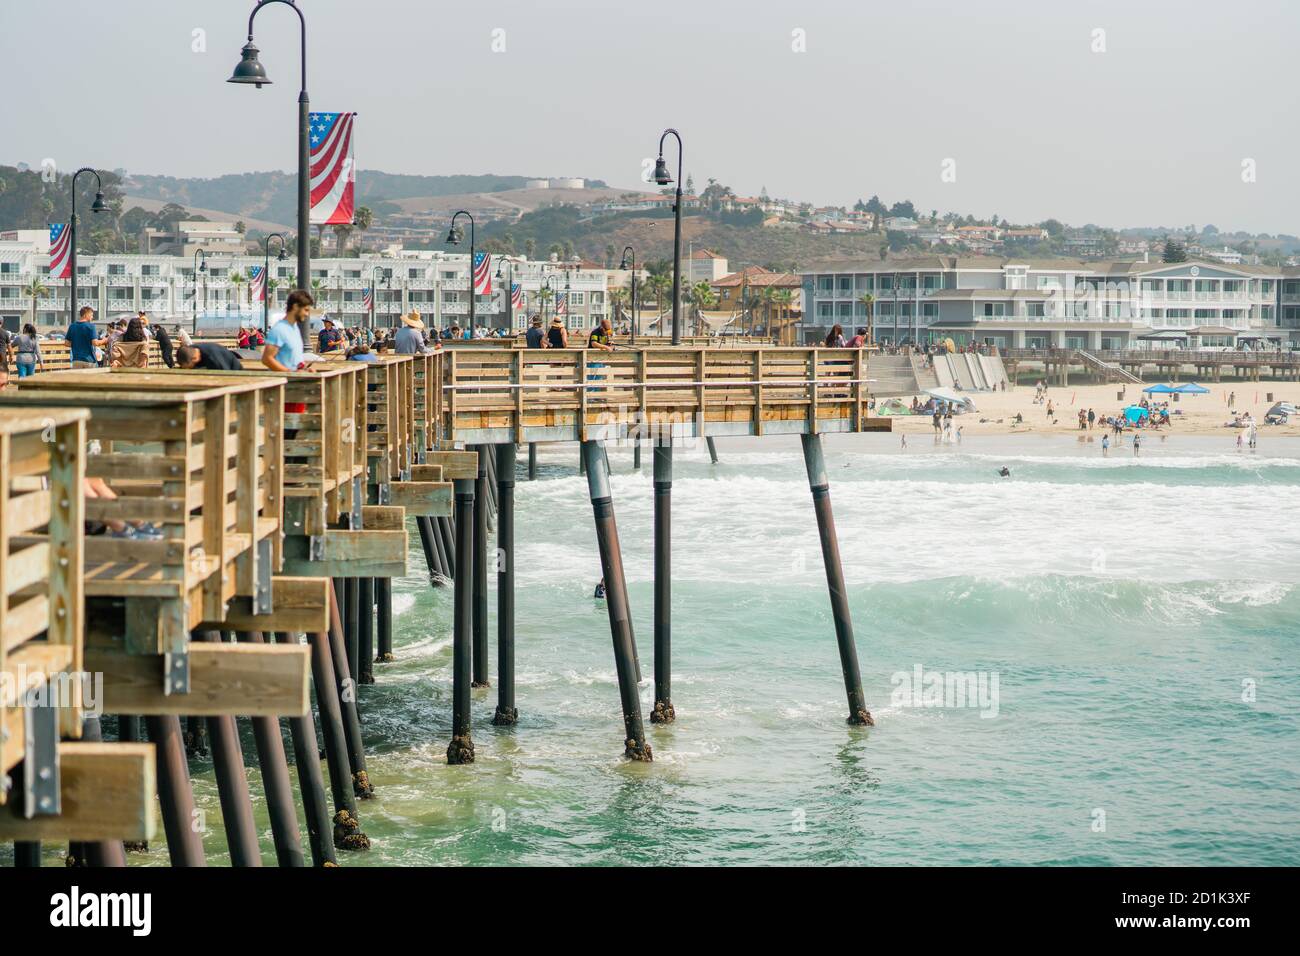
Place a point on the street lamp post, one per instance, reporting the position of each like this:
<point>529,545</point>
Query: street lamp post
<point>629,255</point>
<point>545,284</point>
<point>200,265</point>
<point>387,276</point>
<point>97,206</point>
<point>663,178</point>
<point>266,275</point>
<point>506,270</point>
<point>453,238</point>
<point>251,71</point>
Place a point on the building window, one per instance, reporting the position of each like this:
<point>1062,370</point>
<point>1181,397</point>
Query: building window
<point>116,269</point>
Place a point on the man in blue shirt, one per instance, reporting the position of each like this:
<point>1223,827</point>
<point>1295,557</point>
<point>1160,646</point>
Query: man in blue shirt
<point>283,349</point>
<point>409,339</point>
<point>330,338</point>
<point>81,337</point>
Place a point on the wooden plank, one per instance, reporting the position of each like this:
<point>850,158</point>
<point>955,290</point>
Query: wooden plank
<point>428,498</point>
<point>253,680</point>
<point>108,792</point>
<point>455,464</point>
<point>301,606</point>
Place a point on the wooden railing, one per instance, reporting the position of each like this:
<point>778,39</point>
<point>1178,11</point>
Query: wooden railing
<point>576,394</point>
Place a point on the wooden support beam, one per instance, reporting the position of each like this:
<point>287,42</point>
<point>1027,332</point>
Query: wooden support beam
<point>373,552</point>
<point>427,498</point>
<point>108,793</point>
<point>254,680</point>
<point>455,464</point>
<point>301,607</point>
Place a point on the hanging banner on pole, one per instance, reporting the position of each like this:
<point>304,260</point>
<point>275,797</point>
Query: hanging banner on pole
<point>333,171</point>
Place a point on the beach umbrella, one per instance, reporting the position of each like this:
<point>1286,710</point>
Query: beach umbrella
<point>1135,413</point>
<point>1191,388</point>
<point>1159,389</point>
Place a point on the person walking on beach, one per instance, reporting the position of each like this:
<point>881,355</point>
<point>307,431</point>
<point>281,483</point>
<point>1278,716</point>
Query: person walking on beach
<point>1137,443</point>
<point>1232,399</point>
<point>937,421</point>
<point>1105,445</point>
<point>1092,417</point>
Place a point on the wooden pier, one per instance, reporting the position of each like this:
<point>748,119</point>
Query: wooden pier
<point>264,516</point>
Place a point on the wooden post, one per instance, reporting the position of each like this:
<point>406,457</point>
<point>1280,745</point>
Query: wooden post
<point>347,828</point>
<point>346,687</point>
<point>366,632</point>
<point>275,782</point>
<point>506,713</point>
<point>480,570</point>
<point>461,748</point>
<point>815,463</point>
<point>663,712</point>
<point>620,617</point>
<point>232,785</point>
<point>105,853</point>
<point>184,841</point>
<point>311,783</point>
<point>384,618</point>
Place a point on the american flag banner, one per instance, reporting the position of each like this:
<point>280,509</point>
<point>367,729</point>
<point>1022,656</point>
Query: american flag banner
<point>562,303</point>
<point>60,251</point>
<point>482,273</point>
<point>257,284</point>
<point>367,299</point>
<point>333,172</point>
<point>516,297</point>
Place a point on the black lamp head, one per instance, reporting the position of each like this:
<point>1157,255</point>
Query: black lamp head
<point>281,257</point>
<point>99,205</point>
<point>250,68</point>
<point>453,237</point>
<point>623,263</point>
<point>661,174</point>
<point>203,265</point>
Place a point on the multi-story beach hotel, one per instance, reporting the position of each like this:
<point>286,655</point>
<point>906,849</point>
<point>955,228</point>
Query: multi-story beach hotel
<point>1068,303</point>
<point>434,283</point>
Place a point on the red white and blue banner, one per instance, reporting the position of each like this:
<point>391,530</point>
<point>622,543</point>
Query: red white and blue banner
<point>60,251</point>
<point>562,303</point>
<point>516,297</point>
<point>367,299</point>
<point>482,273</point>
<point>257,284</point>
<point>333,171</point>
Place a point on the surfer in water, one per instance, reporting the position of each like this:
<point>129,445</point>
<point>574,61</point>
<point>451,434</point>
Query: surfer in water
<point>600,589</point>
<point>1004,471</point>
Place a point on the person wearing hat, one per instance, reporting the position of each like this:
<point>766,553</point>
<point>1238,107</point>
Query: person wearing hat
<point>410,337</point>
<point>536,335</point>
<point>330,339</point>
<point>557,336</point>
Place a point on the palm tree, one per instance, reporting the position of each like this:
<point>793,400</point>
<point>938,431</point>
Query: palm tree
<point>317,286</point>
<point>36,289</point>
<point>868,300</point>
<point>782,299</point>
<point>237,280</point>
<point>617,299</point>
<point>530,248</point>
<point>700,296</point>
<point>544,296</point>
<point>362,219</point>
<point>271,286</point>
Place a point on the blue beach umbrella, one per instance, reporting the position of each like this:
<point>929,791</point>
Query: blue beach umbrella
<point>1191,388</point>
<point>1135,413</point>
<point>1159,389</point>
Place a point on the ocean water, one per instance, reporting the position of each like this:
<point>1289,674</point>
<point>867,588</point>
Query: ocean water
<point>1139,616</point>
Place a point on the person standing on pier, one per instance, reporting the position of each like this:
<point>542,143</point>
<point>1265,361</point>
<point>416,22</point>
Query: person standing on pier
<point>557,335</point>
<point>82,341</point>
<point>283,349</point>
<point>330,339</point>
<point>410,337</point>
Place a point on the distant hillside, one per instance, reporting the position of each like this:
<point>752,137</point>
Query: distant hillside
<point>740,238</point>
<point>272,195</point>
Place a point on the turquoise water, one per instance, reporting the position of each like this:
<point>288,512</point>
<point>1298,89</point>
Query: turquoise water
<point>1120,603</point>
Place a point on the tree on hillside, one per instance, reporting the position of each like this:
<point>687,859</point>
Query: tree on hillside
<point>530,248</point>
<point>690,185</point>
<point>874,205</point>
<point>1174,251</point>
<point>904,209</point>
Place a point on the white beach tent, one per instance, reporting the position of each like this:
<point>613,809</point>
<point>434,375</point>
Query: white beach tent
<point>960,402</point>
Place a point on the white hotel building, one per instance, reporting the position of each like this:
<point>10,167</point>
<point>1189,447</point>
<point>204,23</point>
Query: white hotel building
<point>1064,303</point>
<point>435,283</point>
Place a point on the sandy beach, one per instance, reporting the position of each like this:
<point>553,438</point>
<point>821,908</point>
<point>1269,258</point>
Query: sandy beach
<point>1190,415</point>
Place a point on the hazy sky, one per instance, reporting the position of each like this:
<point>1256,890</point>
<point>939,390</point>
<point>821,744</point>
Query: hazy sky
<point>1152,131</point>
